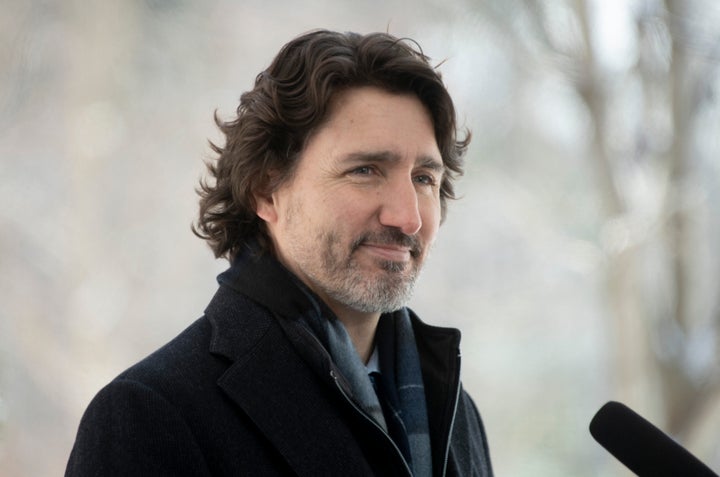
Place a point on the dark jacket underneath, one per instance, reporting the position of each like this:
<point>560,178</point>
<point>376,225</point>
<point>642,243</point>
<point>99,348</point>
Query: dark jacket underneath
<point>245,390</point>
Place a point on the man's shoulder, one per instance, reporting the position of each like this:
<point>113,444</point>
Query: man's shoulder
<point>183,359</point>
<point>199,354</point>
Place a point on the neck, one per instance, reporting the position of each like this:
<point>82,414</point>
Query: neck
<point>361,328</point>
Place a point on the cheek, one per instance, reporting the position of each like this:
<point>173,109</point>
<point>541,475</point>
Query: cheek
<point>431,215</point>
<point>331,215</point>
<point>429,232</point>
<point>346,208</point>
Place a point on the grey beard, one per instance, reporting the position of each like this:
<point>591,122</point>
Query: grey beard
<point>383,295</point>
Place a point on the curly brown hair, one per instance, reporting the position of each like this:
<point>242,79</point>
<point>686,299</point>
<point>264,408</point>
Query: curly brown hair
<point>289,101</point>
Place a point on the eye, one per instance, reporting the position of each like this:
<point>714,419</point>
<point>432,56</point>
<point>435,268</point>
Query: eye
<point>425,179</point>
<point>362,171</point>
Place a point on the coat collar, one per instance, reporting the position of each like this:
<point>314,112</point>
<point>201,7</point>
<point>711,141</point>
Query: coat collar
<point>263,279</point>
<point>256,278</point>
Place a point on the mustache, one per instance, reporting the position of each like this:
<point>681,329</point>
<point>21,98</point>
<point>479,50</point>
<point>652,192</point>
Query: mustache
<point>390,236</point>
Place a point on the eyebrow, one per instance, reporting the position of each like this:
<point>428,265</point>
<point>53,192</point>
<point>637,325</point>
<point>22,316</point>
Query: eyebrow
<point>427,162</point>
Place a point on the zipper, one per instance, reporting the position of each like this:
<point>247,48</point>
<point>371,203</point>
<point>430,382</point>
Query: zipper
<point>452,419</point>
<point>372,421</point>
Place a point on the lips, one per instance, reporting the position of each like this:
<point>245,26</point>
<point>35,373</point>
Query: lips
<point>389,244</point>
<point>393,253</point>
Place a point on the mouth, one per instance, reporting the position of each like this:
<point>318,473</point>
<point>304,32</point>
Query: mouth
<point>390,245</point>
<point>391,253</point>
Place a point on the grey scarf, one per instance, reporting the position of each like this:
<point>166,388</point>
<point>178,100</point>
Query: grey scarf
<point>409,409</point>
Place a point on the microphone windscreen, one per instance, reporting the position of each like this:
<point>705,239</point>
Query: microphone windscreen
<point>641,446</point>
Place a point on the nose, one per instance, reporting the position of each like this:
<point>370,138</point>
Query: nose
<point>400,208</point>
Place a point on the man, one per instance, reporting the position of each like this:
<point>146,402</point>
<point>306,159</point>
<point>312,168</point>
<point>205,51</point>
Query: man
<point>326,199</point>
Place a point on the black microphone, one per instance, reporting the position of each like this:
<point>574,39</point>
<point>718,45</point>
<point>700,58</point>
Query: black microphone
<point>641,446</point>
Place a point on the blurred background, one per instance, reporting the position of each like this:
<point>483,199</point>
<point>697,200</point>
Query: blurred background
<point>582,262</point>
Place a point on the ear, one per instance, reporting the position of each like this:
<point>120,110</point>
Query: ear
<point>265,207</point>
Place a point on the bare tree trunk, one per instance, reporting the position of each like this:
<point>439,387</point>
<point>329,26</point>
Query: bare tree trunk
<point>677,391</point>
<point>632,366</point>
<point>687,404</point>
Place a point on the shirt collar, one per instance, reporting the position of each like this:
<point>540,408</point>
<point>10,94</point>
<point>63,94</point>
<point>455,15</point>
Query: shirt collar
<point>373,364</point>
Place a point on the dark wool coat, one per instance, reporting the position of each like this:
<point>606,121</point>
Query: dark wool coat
<point>245,390</point>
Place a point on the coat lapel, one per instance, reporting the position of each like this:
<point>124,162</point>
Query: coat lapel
<point>292,405</point>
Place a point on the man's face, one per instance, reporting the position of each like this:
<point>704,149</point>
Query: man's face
<point>356,220</point>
